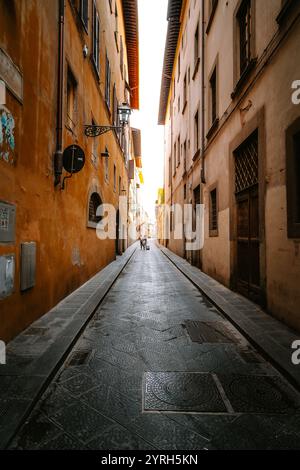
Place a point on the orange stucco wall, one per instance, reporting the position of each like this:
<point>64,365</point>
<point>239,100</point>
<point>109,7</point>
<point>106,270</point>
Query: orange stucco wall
<point>68,252</point>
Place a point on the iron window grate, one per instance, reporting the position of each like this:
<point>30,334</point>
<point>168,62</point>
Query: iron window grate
<point>246,164</point>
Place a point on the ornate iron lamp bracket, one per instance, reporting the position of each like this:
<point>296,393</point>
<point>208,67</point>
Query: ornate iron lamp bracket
<point>95,131</point>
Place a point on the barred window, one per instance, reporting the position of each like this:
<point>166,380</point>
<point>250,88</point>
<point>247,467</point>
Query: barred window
<point>213,212</point>
<point>94,203</point>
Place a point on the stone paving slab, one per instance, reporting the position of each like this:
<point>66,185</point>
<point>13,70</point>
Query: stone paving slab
<point>35,355</point>
<point>269,335</point>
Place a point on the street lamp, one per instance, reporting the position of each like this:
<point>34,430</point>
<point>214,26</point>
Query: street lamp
<point>124,112</point>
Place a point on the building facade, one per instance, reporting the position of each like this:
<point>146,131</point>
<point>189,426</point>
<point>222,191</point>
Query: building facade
<point>64,64</point>
<point>231,109</point>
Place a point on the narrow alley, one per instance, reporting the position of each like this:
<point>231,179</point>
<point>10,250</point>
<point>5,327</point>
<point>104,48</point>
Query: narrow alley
<point>159,367</point>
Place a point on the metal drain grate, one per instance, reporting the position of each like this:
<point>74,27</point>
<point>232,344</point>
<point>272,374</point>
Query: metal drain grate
<point>79,358</point>
<point>209,332</point>
<point>259,394</point>
<point>182,391</point>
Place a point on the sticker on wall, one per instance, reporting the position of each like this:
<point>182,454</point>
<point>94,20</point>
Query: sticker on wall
<point>7,138</point>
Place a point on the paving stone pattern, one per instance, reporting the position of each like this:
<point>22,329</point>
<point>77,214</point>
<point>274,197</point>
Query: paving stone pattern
<point>136,379</point>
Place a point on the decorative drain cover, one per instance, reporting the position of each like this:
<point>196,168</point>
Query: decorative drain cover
<point>259,394</point>
<point>209,332</point>
<point>182,391</point>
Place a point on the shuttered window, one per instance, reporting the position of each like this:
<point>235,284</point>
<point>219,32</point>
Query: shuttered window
<point>96,37</point>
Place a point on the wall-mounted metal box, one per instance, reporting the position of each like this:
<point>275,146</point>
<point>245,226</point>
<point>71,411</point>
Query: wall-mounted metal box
<point>7,223</point>
<point>7,274</point>
<point>28,265</point>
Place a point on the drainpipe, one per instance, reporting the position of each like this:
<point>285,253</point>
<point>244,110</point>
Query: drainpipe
<point>202,95</point>
<point>60,91</point>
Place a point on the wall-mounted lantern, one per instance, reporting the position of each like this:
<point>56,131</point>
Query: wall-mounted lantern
<point>124,112</point>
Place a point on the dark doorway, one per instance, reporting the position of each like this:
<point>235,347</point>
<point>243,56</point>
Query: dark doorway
<point>247,200</point>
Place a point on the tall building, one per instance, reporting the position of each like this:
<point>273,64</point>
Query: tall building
<point>65,65</point>
<point>231,110</point>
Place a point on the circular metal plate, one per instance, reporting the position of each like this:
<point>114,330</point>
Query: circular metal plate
<point>73,159</point>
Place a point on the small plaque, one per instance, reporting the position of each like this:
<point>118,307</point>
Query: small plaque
<point>7,222</point>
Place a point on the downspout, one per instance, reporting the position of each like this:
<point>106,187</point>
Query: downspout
<point>202,96</point>
<point>60,91</point>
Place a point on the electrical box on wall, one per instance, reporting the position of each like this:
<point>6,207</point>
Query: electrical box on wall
<point>7,273</point>
<point>7,223</point>
<point>28,265</point>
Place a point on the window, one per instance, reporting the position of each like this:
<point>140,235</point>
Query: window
<point>178,104</point>
<point>115,106</point>
<point>196,46</point>
<point>94,147</point>
<point>120,185</point>
<point>94,203</point>
<point>71,100</point>
<point>106,161</point>
<point>96,37</point>
<point>212,10</point>
<point>116,27</point>
<point>178,151</point>
<point>174,159</point>
<point>196,131</point>
<point>213,213</point>
<point>121,56</point>
<point>107,81</point>
<point>84,12</point>
<point>213,95</point>
<point>184,156</point>
<point>170,171</point>
<point>184,192</point>
<point>293,179</point>
<point>178,67</point>
<point>244,30</point>
<point>184,92</point>
<point>115,178</point>
<point>110,5</point>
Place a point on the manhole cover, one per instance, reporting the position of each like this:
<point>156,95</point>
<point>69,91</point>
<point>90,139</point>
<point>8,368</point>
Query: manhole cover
<point>181,391</point>
<point>79,358</point>
<point>209,332</point>
<point>259,393</point>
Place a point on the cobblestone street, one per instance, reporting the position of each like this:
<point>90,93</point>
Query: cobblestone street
<point>158,367</point>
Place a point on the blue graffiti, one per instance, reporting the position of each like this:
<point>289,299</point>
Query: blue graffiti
<point>7,139</point>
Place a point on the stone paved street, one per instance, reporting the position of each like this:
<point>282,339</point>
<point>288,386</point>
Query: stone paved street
<point>158,367</point>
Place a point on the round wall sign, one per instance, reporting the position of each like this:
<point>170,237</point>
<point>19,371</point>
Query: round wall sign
<point>73,159</point>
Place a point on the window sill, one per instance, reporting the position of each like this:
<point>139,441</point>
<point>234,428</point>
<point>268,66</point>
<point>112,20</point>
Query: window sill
<point>213,233</point>
<point>197,155</point>
<point>213,128</point>
<point>211,17</point>
<point>184,107</point>
<point>92,224</point>
<point>196,68</point>
<point>243,78</point>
